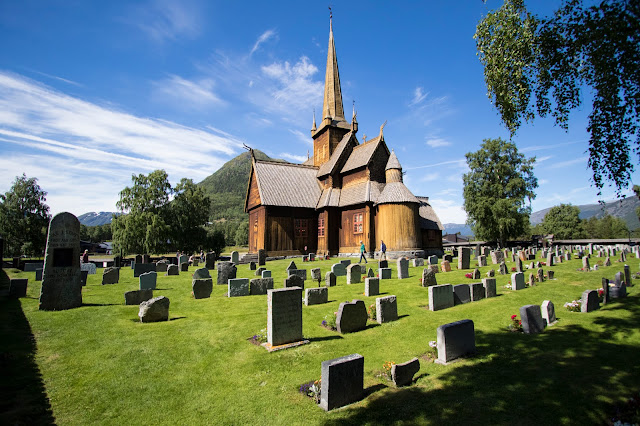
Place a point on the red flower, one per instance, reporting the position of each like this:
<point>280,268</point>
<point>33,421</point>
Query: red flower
<point>513,317</point>
<point>519,322</point>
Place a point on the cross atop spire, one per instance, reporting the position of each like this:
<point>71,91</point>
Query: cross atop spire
<point>332,105</point>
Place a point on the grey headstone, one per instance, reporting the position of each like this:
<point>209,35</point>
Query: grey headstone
<point>184,267</point>
<point>461,294</point>
<point>262,257</point>
<point>428,278</point>
<point>618,292</point>
<point>370,273</point>
<point>201,273</point>
<point>266,274</point>
<point>110,275</point>
<point>354,274</point>
<point>448,258</point>
<point>294,281</point>
<point>476,291</point>
<point>590,301</point>
<point>455,340</point>
<point>143,268</point>
<point>292,265</point>
<point>316,296</point>
<point>627,275</point>
<point>153,310</point>
<point>259,271</point>
<point>352,316</point>
<point>235,257</point>
<point>339,269</point>
<point>402,374</point>
<point>482,261</point>
<point>531,318</point>
<point>172,270</point>
<point>342,381</point>
<point>517,281</point>
<point>202,288</point>
<point>302,273</point>
<point>464,258</point>
<point>489,285</point>
<point>386,309</point>
<point>284,316</point>
<point>161,266</point>
<point>18,287</point>
<point>238,287</point>
<point>371,287</point>
<point>83,278</point>
<point>89,267</point>
<point>548,312</point>
<point>330,279</point>
<point>385,273</point>
<point>585,263</point>
<point>346,262</point>
<point>261,286</point>
<point>418,261</point>
<point>433,260</point>
<point>316,274</point>
<point>136,297</point>
<point>183,259</point>
<point>550,274</point>
<point>403,268</point>
<point>252,266</point>
<point>226,271</point>
<point>440,297</point>
<point>38,274</point>
<point>383,264</point>
<point>497,257</point>
<point>210,260</point>
<point>61,286</point>
<point>148,280</point>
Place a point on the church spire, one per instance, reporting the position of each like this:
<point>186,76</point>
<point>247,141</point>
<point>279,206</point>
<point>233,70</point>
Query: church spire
<point>332,106</point>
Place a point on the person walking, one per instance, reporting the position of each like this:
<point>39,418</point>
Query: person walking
<point>383,250</point>
<point>362,253</point>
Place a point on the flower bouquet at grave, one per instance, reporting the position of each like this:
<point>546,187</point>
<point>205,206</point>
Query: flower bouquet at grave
<point>573,306</point>
<point>515,325</point>
<point>513,269</point>
<point>372,311</point>
<point>312,390</point>
<point>330,322</point>
<point>601,294</point>
<point>387,366</point>
<point>468,275</point>
<point>259,338</point>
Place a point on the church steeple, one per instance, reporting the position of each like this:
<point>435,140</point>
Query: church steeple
<point>332,106</point>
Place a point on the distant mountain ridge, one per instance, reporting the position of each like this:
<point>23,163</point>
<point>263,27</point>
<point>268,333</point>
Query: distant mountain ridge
<point>96,219</point>
<point>624,209</point>
<point>454,228</point>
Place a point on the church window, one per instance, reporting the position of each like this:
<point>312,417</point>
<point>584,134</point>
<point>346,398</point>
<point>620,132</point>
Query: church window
<point>357,223</point>
<point>300,227</point>
<point>321,227</point>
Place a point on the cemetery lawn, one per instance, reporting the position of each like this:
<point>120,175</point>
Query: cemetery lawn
<point>99,364</point>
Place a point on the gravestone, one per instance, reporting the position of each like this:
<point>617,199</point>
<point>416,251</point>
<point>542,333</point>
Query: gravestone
<point>143,268</point>
<point>532,280</point>
<point>433,260</point>
<point>550,274</point>
<point>339,270</point>
<point>455,340</point>
<point>32,266</point>
<point>316,296</point>
<point>517,281</point>
<point>210,260</point>
<point>549,259</point>
<point>110,275</point>
<point>252,266</point>
<point>618,279</point>
<point>18,287</point>
<point>235,257</point>
<point>567,256</point>
<point>370,273</point>
<point>627,275</point>
<point>352,316</point>
<point>260,270</point>
<point>386,309</point>
<point>519,265</point>
<point>202,287</point>
<point>482,261</point>
<point>497,257</point>
<point>201,273</point>
<point>491,273</point>
<point>385,273</point>
<point>312,257</point>
<point>238,287</point>
<point>266,274</point>
<point>371,287</point>
<point>475,274</point>
<point>448,258</point>
<point>89,267</point>
<point>146,258</point>
<point>316,274</point>
<point>402,374</point>
<point>294,281</point>
<point>346,262</point>
<point>38,272</point>
<point>489,285</point>
<point>461,294</point>
<point>302,273</point>
<point>531,319</point>
<point>117,261</point>
<point>161,265</point>
<point>61,286</point>
<point>548,312</point>
<point>183,258</point>
<point>136,297</point>
<point>383,264</point>
<point>476,291</point>
<point>445,266</point>
<point>464,255</point>
<point>403,268</point>
<point>138,258</point>
<point>585,263</point>
<point>440,297</point>
<point>262,257</point>
<point>172,270</point>
<point>418,261</point>
<point>226,271</point>
<point>196,262</point>
<point>590,301</point>
<point>353,274</point>
<point>83,277</point>
<point>260,286</point>
<point>153,310</point>
<point>148,280</point>
<point>428,278</point>
<point>342,381</point>
<point>184,267</point>
<point>607,261</point>
<point>284,316</point>
<point>330,279</point>
<point>292,265</point>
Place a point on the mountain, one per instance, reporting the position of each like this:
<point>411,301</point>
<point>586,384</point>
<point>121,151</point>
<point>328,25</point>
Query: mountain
<point>624,209</point>
<point>454,228</point>
<point>227,187</point>
<point>96,219</point>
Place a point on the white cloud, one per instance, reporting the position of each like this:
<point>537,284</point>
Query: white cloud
<point>263,38</point>
<point>165,20</point>
<point>430,177</point>
<point>418,96</point>
<point>297,158</point>
<point>104,145</point>
<point>437,142</point>
<point>543,159</point>
<point>460,162</point>
<point>302,137</point>
<point>579,160</point>
<point>448,211</point>
<point>186,93</point>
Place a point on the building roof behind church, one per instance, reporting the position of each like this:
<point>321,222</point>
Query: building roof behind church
<point>396,192</point>
<point>287,184</point>
<point>327,168</point>
<point>361,155</point>
<point>428,217</point>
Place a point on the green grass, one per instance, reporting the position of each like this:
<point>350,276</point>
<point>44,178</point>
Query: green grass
<point>98,364</point>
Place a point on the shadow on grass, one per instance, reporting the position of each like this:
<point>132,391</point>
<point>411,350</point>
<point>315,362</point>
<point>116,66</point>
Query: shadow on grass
<point>23,397</point>
<point>561,376</point>
<point>323,338</point>
<point>101,304</point>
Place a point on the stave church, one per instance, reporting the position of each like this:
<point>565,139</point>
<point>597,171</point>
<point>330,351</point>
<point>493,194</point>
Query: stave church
<point>348,192</point>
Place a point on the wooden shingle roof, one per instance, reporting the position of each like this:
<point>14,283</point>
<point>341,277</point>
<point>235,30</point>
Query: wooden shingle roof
<point>396,192</point>
<point>361,155</point>
<point>428,217</point>
<point>330,165</point>
<point>363,192</point>
<point>287,184</point>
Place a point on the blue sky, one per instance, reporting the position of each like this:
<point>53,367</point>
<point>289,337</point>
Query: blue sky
<point>93,92</point>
